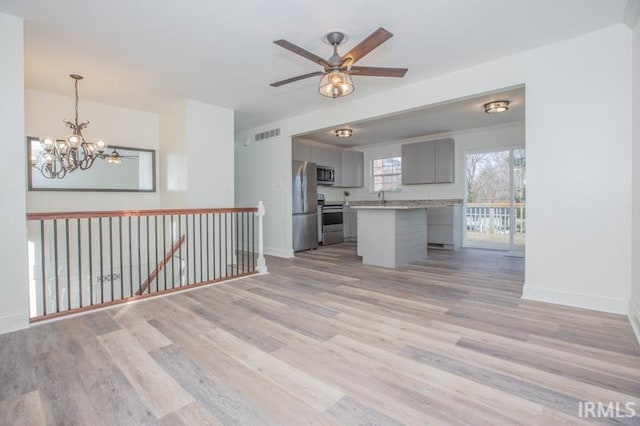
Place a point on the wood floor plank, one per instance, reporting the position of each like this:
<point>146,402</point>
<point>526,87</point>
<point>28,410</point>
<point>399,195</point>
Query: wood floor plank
<point>190,415</point>
<point>313,392</point>
<point>16,370</point>
<point>159,391</point>
<point>23,410</point>
<point>212,396</point>
<point>323,339</point>
<point>278,405</point>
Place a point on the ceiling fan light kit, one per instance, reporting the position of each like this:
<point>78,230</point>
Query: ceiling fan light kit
<point>336,79</point>
<point>336,84</point>
<point>343,133</point>
<point>496,107</point>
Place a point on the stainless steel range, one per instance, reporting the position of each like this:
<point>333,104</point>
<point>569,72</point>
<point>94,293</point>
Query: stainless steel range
<point>330,222</point>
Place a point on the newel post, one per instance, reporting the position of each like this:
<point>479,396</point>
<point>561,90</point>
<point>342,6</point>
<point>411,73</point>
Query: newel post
<point>262,266</point>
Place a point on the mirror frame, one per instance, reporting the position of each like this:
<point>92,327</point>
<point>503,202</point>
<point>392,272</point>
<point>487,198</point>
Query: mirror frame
<point>30,171</point>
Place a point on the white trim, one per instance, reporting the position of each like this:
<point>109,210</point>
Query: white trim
<point>634,318</point>
<point>14,322</point>
<point>578,300</point>
<point>278,252</point>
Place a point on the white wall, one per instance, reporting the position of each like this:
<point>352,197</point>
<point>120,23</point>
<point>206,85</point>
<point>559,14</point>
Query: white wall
<point>196,161</point>
<point>578,132</point>
<point>634,307</point>
<point>13,251</point>
<point>210,155</point>
<point>173,156</point>
<point>113,124</point>
<point>502,136</point>
<point>263,173</point>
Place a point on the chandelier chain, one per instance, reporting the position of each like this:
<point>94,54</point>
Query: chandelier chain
<point>76,90</point>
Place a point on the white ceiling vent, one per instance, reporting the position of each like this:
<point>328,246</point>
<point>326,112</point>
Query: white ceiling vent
<point>267,134</point>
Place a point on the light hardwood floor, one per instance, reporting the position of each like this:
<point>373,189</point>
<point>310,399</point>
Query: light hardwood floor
<point>323,339</point>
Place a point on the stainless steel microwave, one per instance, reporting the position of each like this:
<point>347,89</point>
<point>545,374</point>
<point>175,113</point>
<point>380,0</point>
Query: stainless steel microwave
<point>326,175</point>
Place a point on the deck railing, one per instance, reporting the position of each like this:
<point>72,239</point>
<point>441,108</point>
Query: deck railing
<point>496,218</point>
<point>84,260</point>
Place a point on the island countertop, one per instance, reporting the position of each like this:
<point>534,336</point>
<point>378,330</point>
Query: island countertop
<point>404,204</point>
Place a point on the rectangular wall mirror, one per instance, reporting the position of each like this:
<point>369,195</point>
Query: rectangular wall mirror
<point>136,172</point>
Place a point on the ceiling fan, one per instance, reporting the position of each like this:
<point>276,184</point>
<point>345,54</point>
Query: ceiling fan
<point>336,77</point>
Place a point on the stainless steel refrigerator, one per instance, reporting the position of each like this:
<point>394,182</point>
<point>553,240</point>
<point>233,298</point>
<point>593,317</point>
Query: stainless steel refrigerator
<point>305,206</point>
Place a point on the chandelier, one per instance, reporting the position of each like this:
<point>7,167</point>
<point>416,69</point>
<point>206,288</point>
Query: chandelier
<point>61,156</point>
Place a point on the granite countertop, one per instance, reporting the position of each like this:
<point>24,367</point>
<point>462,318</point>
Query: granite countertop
<point>406,203</point>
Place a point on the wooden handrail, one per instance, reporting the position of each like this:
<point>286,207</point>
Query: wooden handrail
<point>128,213</point>
<point>160,265</point>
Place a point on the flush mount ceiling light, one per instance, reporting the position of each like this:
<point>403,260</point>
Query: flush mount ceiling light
<point>61,156</point>
<point>344,133</point>
<point>496,106</point>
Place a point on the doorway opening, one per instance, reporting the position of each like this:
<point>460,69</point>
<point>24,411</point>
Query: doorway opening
<point>495,211</point>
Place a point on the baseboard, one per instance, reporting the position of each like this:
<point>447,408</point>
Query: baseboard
<point>271,251</point>
<point>634,318</point>
<point>14,322</point>
<point>578,300</point>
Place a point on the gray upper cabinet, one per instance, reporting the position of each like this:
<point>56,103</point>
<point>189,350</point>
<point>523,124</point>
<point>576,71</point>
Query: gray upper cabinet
<point>428,162</point>
<point>348,165</point>
<point>444,161</point>
<point>410,164</point>
<point>300,152</point>
<point>352,170</point>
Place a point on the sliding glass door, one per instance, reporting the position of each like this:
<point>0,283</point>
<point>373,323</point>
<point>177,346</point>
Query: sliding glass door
<point>495,214</point>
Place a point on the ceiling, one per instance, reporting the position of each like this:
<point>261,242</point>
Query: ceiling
<point>449,117</point>
<point>143,53</point>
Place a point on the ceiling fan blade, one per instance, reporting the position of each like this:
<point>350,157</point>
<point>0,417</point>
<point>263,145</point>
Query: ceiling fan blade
<point>292,79</point>
<point>304,53</point>
<point>378,71</point>
<point>378,37</point>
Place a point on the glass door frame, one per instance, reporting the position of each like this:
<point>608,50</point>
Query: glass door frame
<point>511,246</point>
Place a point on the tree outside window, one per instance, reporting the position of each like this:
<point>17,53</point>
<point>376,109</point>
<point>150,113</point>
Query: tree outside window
<point>386,174</point>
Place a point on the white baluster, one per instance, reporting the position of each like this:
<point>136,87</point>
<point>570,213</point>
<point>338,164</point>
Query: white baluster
<point>262,266</point>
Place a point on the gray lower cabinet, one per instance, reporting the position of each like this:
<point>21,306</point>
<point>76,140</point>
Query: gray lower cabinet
<point>350,223</point>
<point>428,162</point>
<point>444,227</point>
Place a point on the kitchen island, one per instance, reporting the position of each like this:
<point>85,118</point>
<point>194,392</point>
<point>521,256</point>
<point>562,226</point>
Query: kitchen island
<point>395,233</point>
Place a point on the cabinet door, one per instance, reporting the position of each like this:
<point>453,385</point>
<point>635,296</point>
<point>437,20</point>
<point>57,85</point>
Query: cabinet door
<point>334,159</point>
<point>352,169</point>
<point>346,222</point>
<point>444,161</point>
<point>409,163</point>
<point>301,152</point>
<point>358,167</point>
<point>426,162</point>
<point>320,156</point>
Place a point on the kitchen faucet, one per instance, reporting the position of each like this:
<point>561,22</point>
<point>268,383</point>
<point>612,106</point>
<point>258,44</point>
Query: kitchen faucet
<point>381,194</point>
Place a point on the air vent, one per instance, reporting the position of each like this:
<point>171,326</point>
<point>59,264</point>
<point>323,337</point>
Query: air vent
<point>267,134</point>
